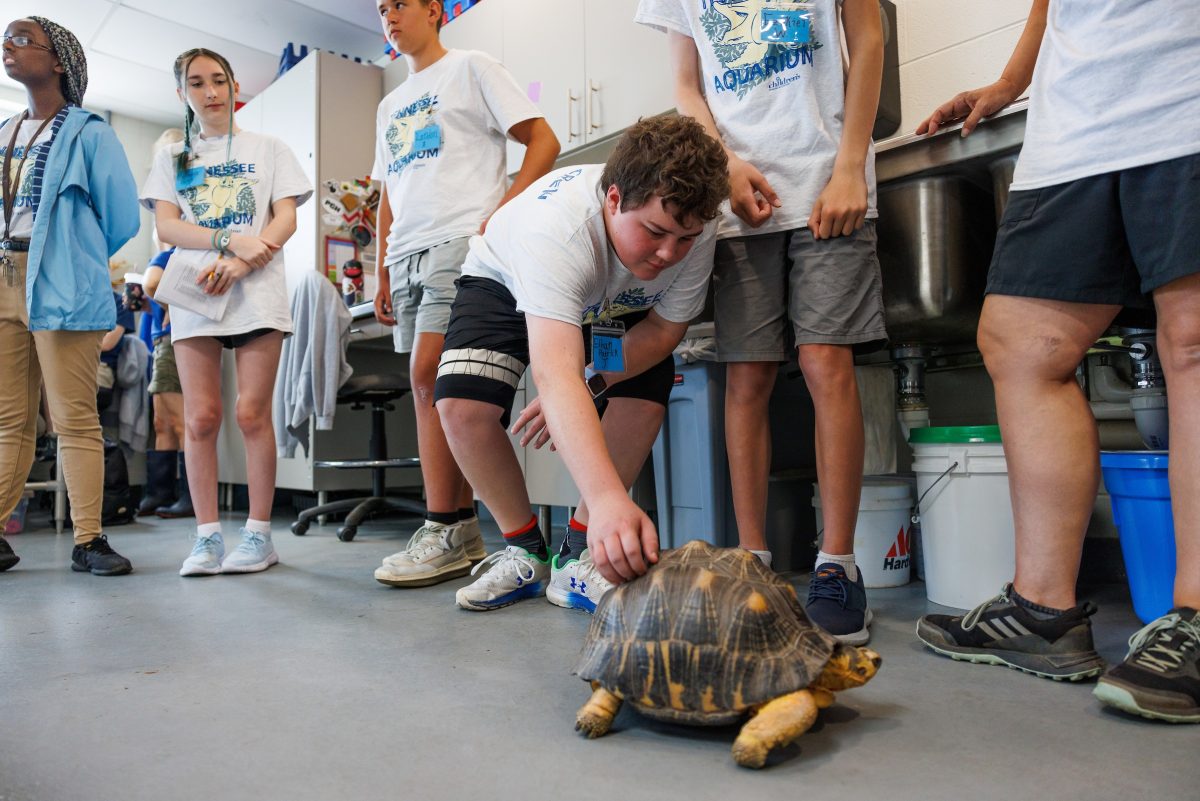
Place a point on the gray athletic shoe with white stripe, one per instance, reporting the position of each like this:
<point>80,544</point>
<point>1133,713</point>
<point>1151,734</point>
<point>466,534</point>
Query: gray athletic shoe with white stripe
<point>1000,632</point>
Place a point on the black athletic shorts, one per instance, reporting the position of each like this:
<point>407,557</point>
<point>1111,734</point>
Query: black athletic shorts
<point>487,350</point>
<point>1110,239</point>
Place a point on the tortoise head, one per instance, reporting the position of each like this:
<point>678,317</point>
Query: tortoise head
<point>848,667</point>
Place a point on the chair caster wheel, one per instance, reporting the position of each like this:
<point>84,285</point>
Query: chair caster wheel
<point>346,533</point>
<point>300,528</point>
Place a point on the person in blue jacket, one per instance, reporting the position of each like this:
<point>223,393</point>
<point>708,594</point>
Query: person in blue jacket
<point>69,202</point>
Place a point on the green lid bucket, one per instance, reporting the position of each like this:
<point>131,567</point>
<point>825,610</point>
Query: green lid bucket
<point>946,435</point>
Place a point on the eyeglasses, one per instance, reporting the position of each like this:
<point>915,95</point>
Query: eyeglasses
<point>24,41</point>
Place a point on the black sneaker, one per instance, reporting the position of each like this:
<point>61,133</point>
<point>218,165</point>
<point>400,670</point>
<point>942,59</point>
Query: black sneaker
<point>1000,632</point>
<point>839,605</point>
<point>98,558</point>
<point>1160,678</point>
<point>7,557</point>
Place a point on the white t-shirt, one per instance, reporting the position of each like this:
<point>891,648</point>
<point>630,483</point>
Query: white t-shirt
<point>549,248</point>
<point>778,107</point>
<point>440,148</point>
<point>1117,85</point>
<point>28,195</point>
<point>236,194</point>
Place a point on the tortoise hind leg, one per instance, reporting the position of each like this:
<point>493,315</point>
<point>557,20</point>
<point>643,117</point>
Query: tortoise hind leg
<point>596,716</point>
<point>777,723</point>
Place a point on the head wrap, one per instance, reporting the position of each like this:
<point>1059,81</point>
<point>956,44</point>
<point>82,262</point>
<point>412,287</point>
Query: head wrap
<point>70,55</point>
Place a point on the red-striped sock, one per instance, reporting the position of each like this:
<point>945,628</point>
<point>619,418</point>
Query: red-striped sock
<point>529,537</point>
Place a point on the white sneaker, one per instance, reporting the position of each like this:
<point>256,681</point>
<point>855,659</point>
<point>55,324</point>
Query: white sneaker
<point>435,553</point>
<point>577,584</point>
<point>467,534</point>
<point>205,558</point>
<point>472,539</point>
<point>509,576</point>
<point>254,554</point>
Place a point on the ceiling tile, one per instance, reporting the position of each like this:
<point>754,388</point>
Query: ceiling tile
<point>363,13</point>
<point>82,17</point>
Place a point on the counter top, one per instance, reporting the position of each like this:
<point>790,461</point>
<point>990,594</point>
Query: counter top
<point>909,154</point>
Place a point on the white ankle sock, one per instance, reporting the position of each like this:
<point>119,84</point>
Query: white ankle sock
<point>845,560</point>
<point>262,527</point>
<point>208,529</point>
<point>763,556</point>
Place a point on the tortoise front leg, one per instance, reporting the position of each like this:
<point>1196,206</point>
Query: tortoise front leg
<point>777,723</point>
<point>596,716</point>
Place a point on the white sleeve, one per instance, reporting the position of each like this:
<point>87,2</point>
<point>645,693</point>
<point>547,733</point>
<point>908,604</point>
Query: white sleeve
<point>686,295</point>
<point>160,183</point>
<point>289,179</point>
<point>507,103</point>
<point>665,15</point>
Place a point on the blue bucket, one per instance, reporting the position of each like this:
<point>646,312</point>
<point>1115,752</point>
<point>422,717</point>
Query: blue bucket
<point>1141,504</point>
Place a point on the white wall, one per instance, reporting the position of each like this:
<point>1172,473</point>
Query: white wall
<point>946,46</point>
<point>138,137</point>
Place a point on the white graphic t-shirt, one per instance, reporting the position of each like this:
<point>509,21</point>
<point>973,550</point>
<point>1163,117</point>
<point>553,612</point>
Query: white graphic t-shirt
<point>776,88</point>
<point>1117,85</point>
<point>440,148</point>
<point>236,194</point>
<point>28,195</point>
<point>549,248</point>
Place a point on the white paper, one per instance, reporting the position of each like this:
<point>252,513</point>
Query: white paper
<point>178,286</point>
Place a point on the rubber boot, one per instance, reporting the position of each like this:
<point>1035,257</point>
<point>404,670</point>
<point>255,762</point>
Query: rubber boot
<point>183,506</point>
<point>160,481</point>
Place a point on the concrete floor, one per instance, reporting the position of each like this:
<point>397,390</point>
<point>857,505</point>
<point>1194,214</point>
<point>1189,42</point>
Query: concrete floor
<point>312,681</point>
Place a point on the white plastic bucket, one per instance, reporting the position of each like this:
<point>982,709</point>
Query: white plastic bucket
<point>881,534</point>
<point>968,540</point>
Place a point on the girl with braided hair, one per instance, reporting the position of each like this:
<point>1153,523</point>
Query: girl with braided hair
<point>69,203</point>
<point>234,194</point>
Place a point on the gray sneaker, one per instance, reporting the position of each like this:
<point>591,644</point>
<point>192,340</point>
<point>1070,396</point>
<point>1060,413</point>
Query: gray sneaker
<point>1000,632</point>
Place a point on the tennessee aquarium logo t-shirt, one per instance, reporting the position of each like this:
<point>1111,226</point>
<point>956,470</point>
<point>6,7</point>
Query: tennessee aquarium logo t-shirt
<point>736,33</point>
<point>413,134</point>
<point>226,198</point>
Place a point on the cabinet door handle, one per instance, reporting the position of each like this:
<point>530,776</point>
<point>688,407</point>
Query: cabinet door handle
<point>571,100</point>
<point>593,114</point>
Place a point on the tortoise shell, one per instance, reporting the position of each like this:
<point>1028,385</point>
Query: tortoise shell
<point>706,634</point>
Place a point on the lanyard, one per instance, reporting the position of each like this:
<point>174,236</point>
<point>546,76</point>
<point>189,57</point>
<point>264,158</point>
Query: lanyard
<point>11,187</point>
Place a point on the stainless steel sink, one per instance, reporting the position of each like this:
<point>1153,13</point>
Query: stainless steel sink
<point>935,244</point>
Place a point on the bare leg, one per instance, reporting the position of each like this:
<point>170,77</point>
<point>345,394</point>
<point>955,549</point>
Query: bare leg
<point>829,373</point>
<point>596,716</point>
<point>445,487</point>
<point>1031,348</point>
<point>199,360</point>
<point>1179,349</point>
<point>748,443</point>
<point>482,449</point>
<point>169,433</point>
<point>777,723</point>
<point>630,427</point>
<point>257,364</point>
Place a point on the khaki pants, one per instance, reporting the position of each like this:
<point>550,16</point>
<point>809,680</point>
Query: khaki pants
<point>67,361</point>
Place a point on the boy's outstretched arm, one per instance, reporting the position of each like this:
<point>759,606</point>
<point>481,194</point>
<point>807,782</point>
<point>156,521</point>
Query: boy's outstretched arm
<point>621,538</point>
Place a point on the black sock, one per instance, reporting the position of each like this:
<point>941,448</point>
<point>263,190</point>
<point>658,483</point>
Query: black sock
<point>445,518</point>
<point>1038,611</point>
<point>530,538</point>
<point>573,544</point>
<point>467,513</point>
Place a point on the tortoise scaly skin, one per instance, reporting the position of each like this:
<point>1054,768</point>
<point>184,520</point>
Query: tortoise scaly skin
<point>707,637</point>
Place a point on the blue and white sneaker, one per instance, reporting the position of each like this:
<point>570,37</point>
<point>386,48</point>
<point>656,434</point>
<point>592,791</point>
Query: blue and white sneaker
<point>511,575</point>
<point>577,584</point>
<point>839,605</point>
<point>254,554</point>
<point>205,558</point>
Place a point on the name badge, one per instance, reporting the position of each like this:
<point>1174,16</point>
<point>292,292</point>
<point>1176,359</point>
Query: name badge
<point>428,138</point>
<point>189,179</point>
<point>608,347</point>
<point>786,26</point>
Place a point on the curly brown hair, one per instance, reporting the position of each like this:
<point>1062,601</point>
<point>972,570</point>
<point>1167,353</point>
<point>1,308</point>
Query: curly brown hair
<point>674,158</point>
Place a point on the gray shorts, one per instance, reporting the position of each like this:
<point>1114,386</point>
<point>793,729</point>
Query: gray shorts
<point>423,289</point>
<point>830,291</point>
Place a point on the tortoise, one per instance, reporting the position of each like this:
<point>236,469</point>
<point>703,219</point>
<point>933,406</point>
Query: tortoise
<point>707,637</point>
